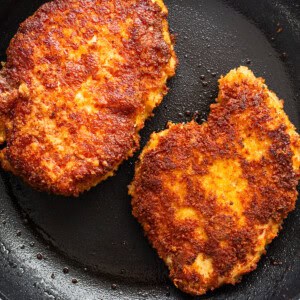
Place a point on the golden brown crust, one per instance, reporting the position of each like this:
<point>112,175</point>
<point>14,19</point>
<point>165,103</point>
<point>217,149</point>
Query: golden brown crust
<point>210,197</point>
<point>80,80</point>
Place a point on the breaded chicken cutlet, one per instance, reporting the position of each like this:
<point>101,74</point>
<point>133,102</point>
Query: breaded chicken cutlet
<point>80,80</point>
<point>210,197</point>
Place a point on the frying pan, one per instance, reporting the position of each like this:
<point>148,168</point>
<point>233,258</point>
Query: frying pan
<point>91,247</point>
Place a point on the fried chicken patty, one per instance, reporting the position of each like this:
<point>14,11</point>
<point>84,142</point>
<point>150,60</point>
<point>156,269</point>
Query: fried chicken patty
<point>80,80</point>
<point>210,197</point>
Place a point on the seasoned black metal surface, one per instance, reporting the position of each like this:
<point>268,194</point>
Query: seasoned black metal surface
<point>95,236</point>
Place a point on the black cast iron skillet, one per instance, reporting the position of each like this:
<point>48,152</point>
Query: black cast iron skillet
<point>46,242</point>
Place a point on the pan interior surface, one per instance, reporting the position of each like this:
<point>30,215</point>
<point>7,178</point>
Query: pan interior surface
<point>47,242</point>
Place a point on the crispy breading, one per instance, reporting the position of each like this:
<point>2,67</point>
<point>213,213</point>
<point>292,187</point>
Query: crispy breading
<point>210,197</point>
<point>80,80</point>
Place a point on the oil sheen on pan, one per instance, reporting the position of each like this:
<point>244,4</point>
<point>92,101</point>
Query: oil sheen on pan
<point>210,197</point>
<point>80,80</point>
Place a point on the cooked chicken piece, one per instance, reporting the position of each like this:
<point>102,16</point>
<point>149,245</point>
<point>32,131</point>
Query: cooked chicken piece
<point>80,80</point>
<point>210,197</point>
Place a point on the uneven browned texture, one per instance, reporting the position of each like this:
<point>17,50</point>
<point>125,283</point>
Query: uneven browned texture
<point>80,79</point>
<point>210,197</point>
